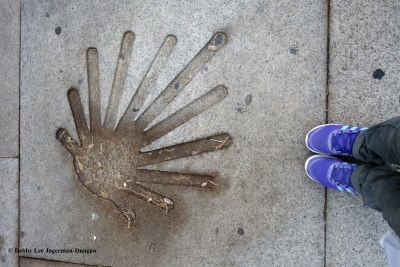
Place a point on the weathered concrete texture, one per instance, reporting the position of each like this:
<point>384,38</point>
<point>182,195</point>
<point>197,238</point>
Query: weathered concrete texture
<point>364,38</point>
<point>30,262</point>
<point>9,211</point>
<point>9,73</point>
<point>353,232</point>
<point>266,212</point>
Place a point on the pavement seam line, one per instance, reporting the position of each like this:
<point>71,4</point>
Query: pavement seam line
<point>328,38</point>
<point>19,132</point>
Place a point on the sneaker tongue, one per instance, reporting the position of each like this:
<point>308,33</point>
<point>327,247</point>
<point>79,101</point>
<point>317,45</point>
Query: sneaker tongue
<point>341,174</point>
<point>342,141</point>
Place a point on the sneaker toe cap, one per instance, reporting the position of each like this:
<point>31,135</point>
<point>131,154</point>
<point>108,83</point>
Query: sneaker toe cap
<point>318,167</point>
<point>318,139</point>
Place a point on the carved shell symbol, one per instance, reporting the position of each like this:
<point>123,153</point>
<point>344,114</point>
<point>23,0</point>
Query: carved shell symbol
<point>108,161</point>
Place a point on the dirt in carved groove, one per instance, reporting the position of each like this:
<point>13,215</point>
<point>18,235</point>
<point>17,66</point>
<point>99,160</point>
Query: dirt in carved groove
<point>109,162</point>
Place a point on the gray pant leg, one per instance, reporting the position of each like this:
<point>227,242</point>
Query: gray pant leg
<point>380,143</point>
<point>380,190</point>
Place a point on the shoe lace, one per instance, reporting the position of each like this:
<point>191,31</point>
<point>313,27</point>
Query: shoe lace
<point>340,177</point>
<point>343,139</point>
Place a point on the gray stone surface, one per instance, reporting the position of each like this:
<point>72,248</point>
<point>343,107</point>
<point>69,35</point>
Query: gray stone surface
<point>364,37</point>
<point>9,73</point>
<point>9,211</point>
<point>30,262</point>
<point>353,232</point>
<point>267,213</point>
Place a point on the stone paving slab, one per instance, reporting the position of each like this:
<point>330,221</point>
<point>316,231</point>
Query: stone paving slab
<point>364,46</point>
<point>267,212</point>
<point>9,73</point>
<point>353,232</point>
<point>29,262</point>
<point>9,212</point>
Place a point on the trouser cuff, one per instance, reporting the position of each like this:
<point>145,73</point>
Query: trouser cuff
<point>359,143</point>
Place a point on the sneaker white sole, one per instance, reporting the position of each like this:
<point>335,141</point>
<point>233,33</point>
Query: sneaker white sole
<point>319,126</point>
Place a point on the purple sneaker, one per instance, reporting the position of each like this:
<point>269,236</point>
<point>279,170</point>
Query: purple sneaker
<point>331,172</point>
<point>333,139</point>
